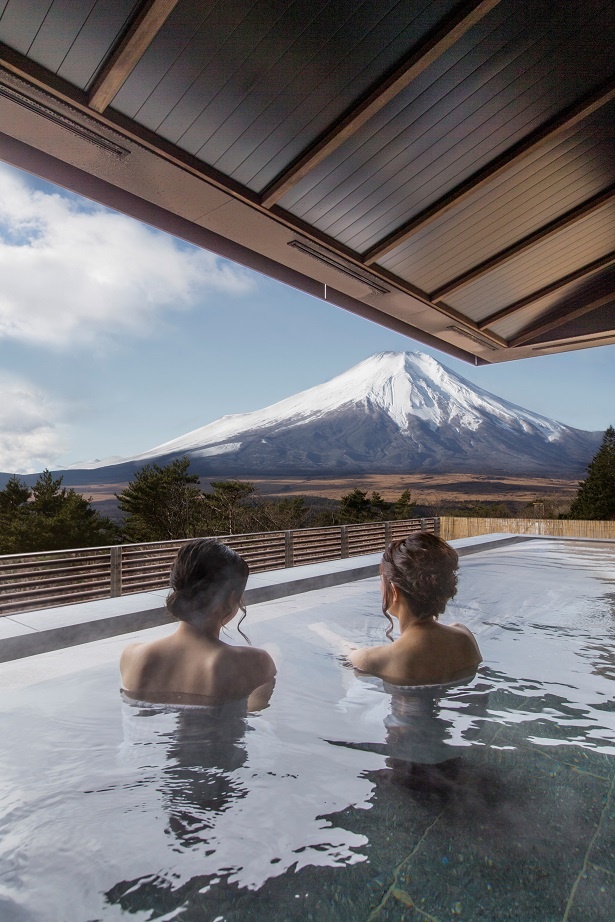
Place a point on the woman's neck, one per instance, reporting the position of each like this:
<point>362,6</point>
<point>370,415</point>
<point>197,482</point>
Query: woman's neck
<point>206,629</point>
<point>409,622</point>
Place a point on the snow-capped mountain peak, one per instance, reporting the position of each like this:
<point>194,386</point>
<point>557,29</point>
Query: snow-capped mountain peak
<point>392,411</point>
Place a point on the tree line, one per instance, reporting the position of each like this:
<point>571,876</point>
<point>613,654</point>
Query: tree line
<point>166,502</point>
<point>163,503</point>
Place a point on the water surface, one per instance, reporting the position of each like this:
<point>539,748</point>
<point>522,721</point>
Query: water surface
<point>346,798</point>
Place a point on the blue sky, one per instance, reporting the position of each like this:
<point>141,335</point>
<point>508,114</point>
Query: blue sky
<point>115,338</point>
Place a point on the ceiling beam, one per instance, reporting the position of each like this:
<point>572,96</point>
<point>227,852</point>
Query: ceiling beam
<point>563,121</point>
<point>577,342</point>
<point>548,289</point>
<point>54,170</point>
<point>439,40</point>
<point>559,319</point>
<point>63,92</point>
<point>553,227</point>
<point>150,18</point>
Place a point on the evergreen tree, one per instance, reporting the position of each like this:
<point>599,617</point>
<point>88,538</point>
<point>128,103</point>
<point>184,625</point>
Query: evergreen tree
<point>281,515</point>
<point>227,513</point>
<point>163,503</point>
<point>355,507</point>
<point>49,495</point>
<point>15,494</point>
<point>379,509</point>
<point>595,497</point>
<point>49,517</point>
<point>405,506</point>
<point>15,517</point>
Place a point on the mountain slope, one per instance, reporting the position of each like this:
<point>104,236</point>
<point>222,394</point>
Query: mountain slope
<point>393,412</point>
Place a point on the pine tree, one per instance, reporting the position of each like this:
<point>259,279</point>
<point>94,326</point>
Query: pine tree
<point>15,495</point>
<point>14,517</point>
<point>379,508</point>
<point>49,517</point>
<point>48,495</point>
<point>280,515</point>
<point>405,506</point>
<point>595,497</point>
<point>163,503</point>
<point>226,510</point>
<point>355,507</point>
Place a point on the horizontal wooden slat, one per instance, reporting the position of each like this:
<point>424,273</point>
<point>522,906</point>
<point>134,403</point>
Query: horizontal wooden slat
<point>26,585</point>
<point>71,564</point>
<point>29,581</point>
<point>40,571</point>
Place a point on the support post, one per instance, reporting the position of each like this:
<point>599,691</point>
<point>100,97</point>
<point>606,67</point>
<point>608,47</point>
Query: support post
<point>116,571</point>
<point>288,549</point>
<point>343,541</point>
<point>387,534</point>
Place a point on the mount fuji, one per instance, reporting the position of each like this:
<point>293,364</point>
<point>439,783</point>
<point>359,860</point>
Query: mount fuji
<point>395,412</point>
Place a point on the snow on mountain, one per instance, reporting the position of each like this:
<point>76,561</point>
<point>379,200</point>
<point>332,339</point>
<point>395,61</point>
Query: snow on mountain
<point>402,384</point>
<point>395,411</point>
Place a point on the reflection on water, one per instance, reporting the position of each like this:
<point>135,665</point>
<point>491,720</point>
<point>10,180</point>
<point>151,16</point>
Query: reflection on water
<point>347,798</point>
<point>199,758</point>
<point>217,793</point>
<point>427,728</point>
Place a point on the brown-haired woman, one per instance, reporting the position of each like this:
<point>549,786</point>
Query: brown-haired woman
<point>193,665</point>
<point>418,576</point>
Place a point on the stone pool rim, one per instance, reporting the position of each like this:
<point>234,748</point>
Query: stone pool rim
<point>29,633</point>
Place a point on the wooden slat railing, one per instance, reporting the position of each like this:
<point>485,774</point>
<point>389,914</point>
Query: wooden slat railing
<point>45,580</point>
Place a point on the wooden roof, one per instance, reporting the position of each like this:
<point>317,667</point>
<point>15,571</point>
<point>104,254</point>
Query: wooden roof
<point>445,169</point>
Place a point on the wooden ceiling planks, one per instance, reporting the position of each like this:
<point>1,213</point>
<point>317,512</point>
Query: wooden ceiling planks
<point>594,187</point>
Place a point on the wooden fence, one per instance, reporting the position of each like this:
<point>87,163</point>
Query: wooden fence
<point>452,527</point>
<point>44,580</point>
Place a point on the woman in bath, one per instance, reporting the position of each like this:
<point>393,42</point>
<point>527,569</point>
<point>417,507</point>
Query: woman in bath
<point>193,665</point>
<point>418,576</point>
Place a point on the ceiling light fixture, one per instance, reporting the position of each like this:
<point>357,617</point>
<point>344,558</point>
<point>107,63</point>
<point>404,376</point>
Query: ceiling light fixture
<point>473,337</point>
<point>345,268</point>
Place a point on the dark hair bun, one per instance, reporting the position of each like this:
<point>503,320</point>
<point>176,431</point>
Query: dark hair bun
<point>204,573</point>
<point>423,567</point>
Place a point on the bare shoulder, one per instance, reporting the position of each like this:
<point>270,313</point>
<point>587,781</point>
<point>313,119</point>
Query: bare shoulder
<point>369,659</point>
<point>132,660</point>
<point>257,661</point>
<point>129,654</point>
<point>139,660</point>
<point>467,633</point>
<point>461,627</point>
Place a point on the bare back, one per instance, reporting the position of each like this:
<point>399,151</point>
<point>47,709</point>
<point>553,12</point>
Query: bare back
<point>187,665</point>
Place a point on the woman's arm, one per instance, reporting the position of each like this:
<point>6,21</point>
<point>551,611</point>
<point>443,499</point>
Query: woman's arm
<point>369,659</point>
<point>258,700</point>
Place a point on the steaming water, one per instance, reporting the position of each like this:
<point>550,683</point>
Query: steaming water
<point>315,808</point>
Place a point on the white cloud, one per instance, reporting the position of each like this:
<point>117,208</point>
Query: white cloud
<point>32,428</point>
<point>71,271</point>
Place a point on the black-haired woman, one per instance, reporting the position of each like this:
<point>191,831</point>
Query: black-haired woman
<point>418,577</point>
<point>193,665</point>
